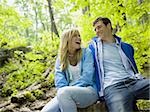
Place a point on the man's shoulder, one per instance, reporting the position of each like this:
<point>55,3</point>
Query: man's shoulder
<point>126,44</point>
<point>123,44</point>
<point>127,47</point>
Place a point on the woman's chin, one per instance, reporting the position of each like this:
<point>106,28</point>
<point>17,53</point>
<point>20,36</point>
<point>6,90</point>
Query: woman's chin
<point>78,48</point>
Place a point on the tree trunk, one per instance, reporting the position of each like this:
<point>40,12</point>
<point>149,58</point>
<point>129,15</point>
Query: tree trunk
<point>139,1</point>
<point>53,25</point>
<point>87,8</point>
<point>36,21</point>
<point>144,18</point>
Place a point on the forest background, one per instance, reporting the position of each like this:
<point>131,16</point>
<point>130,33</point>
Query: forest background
<point>30,31</point>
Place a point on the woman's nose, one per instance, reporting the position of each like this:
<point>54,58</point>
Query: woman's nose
<point>79,38</point>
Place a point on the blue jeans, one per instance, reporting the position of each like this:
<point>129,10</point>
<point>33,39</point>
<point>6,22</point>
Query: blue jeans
<point>70,97</point>
<point>51,106</point>
<point>120,97</point>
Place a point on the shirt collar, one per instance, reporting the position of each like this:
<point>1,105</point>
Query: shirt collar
<point>117,42</point>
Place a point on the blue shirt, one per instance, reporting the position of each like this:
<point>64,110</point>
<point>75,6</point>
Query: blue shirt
<point>114,70</point>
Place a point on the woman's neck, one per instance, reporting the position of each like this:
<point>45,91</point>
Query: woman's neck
<point>72,58</point>
<point>72,53</point>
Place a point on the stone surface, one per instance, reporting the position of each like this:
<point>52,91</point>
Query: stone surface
<point>97,107</point>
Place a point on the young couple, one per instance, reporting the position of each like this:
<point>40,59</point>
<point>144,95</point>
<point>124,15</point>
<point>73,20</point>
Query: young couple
<point>105,70</point>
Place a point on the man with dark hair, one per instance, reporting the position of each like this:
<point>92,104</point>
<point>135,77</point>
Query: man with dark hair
<point>117,77</point>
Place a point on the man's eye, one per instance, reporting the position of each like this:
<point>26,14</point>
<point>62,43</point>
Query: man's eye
<point>98,27</point>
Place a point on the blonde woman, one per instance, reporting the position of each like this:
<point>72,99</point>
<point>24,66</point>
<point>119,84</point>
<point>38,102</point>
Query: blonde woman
<point>74,76</point>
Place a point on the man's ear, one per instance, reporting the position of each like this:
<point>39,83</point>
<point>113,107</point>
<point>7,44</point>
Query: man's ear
<point>109,25</point>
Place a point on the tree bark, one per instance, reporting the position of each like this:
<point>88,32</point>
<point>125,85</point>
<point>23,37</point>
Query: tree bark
<point>87,8</point>
<point>139,1</point>
<point>36,20</point>
<point>53,25</point>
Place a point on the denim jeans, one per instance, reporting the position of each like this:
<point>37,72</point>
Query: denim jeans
<point>51,106</point>
<point>120,97</point>
<point>70,97</point>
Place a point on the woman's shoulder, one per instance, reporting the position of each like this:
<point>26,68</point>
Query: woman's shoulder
<point>86,50</point>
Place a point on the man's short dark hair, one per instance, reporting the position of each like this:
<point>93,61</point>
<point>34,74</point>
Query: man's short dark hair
<point>103,19</point>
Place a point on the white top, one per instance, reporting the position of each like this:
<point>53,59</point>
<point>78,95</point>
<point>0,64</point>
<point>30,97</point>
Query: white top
<point>74,73</point>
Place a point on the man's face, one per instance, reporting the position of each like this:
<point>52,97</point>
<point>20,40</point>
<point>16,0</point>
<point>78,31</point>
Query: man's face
<point>101,29</point>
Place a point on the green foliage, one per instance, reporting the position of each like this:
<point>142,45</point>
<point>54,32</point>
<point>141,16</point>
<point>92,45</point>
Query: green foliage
<point>38,94</point>
<point>12,28</point>
<point>143,104</point>
<point>29,96</point>
<point>51,80</point>
<point>25,69</point>
<point>62,14</point>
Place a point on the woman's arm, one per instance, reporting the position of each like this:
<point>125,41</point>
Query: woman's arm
<point>60,76</point>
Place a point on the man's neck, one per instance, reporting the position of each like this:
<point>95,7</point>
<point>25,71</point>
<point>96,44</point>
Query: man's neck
<point>109,39</point>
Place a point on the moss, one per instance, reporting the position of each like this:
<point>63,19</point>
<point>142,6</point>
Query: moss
<point>143,104</point>
<point>45,84</point>
<point>29,96</point>
<point>38,93</point>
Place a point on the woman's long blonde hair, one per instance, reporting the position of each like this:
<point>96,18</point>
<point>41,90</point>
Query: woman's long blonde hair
<point>63,49</point>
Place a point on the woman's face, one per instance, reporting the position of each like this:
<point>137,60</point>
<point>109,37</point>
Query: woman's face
<point>75,43</point>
